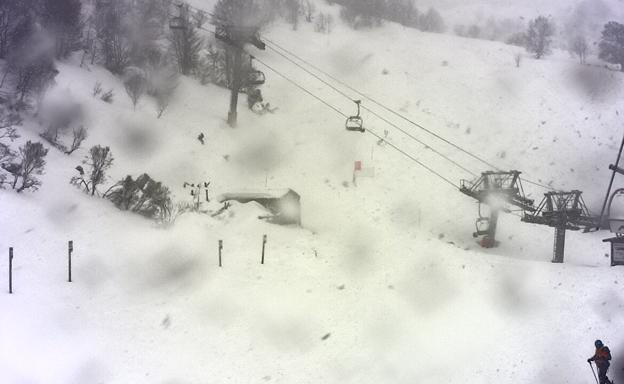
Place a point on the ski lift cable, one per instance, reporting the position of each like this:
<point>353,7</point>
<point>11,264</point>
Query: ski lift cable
<point>344,115</point>
<point>270,42</point>
<point>380,104</point>
<point>427,146</point>
<point>368,130</point>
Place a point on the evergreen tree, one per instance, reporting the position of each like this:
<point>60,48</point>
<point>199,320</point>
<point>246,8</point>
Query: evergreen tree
<point>612,44</point>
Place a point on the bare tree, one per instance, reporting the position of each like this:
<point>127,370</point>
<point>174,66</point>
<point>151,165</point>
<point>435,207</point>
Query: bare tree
<point>578,46</point>
<point>9,121</point>
<point>517,59</point>
<point>30,64</point>
<point>15,15</point>
<point>308,10</point>
<point>80,134</point>
<point>112,34</point>
<point>99,160</point>
<point>324,23</point>
<point>539,36</point>
<point>293,8</point>
<point>31,163</point>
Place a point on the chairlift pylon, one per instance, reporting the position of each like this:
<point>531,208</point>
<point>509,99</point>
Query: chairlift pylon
<point>355,123</point>
<point>616,219</point>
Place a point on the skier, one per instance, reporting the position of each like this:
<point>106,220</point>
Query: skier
<point>601,358</point>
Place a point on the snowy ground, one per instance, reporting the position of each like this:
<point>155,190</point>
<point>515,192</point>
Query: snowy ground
<point>384,284</point>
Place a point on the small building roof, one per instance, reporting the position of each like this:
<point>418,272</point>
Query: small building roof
<point>256,194</point>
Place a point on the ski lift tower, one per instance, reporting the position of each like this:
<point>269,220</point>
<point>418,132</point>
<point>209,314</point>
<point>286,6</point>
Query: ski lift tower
<point>235,38</point>
<point>499,190</point>
<point>614,219</point>
<point>562,211</point>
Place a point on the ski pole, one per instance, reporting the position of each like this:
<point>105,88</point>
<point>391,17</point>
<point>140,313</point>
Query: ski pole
<point>594,372</point>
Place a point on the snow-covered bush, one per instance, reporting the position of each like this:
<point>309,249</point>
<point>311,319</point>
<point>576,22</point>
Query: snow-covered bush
<point>135,83</point>
<point>144,196</point>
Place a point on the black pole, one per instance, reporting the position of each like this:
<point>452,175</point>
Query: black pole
<point>69,260</point>
<point>604,205</point>
<point>11,270</point>
<point>220,248</point>
<point>559,246</point>
<point>264,240</point>
<point>236,84</point>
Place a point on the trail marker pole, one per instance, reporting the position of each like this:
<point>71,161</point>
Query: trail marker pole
<point>11,270</point>
<point>70,249</point>
<point>220,248</point>
<point>264,241</point>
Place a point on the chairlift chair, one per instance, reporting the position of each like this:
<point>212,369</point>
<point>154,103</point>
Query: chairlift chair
<point>255,77</point>
<point>483,226</point>
<point>177,23</point>
<point>355,123</point>
<point>221,33</point>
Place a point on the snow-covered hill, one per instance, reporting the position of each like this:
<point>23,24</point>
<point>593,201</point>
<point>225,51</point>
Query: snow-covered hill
<point>383,284</point>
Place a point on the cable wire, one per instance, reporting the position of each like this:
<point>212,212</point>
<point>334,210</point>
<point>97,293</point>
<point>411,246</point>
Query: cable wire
<point>448,181</point>
<point>368,131</point>
<point>395,113</point>
<point>427,146</point>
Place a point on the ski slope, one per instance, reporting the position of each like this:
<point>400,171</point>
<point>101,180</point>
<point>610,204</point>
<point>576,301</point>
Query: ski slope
<point>383,284</point>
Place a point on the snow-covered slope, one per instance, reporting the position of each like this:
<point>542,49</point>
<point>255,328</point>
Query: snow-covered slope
<point>384,284</point>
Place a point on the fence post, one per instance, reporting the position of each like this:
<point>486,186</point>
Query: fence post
<point>69,259</point>
<point>10,269</point>
<point>220,248</point>
<point>264,241</point>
